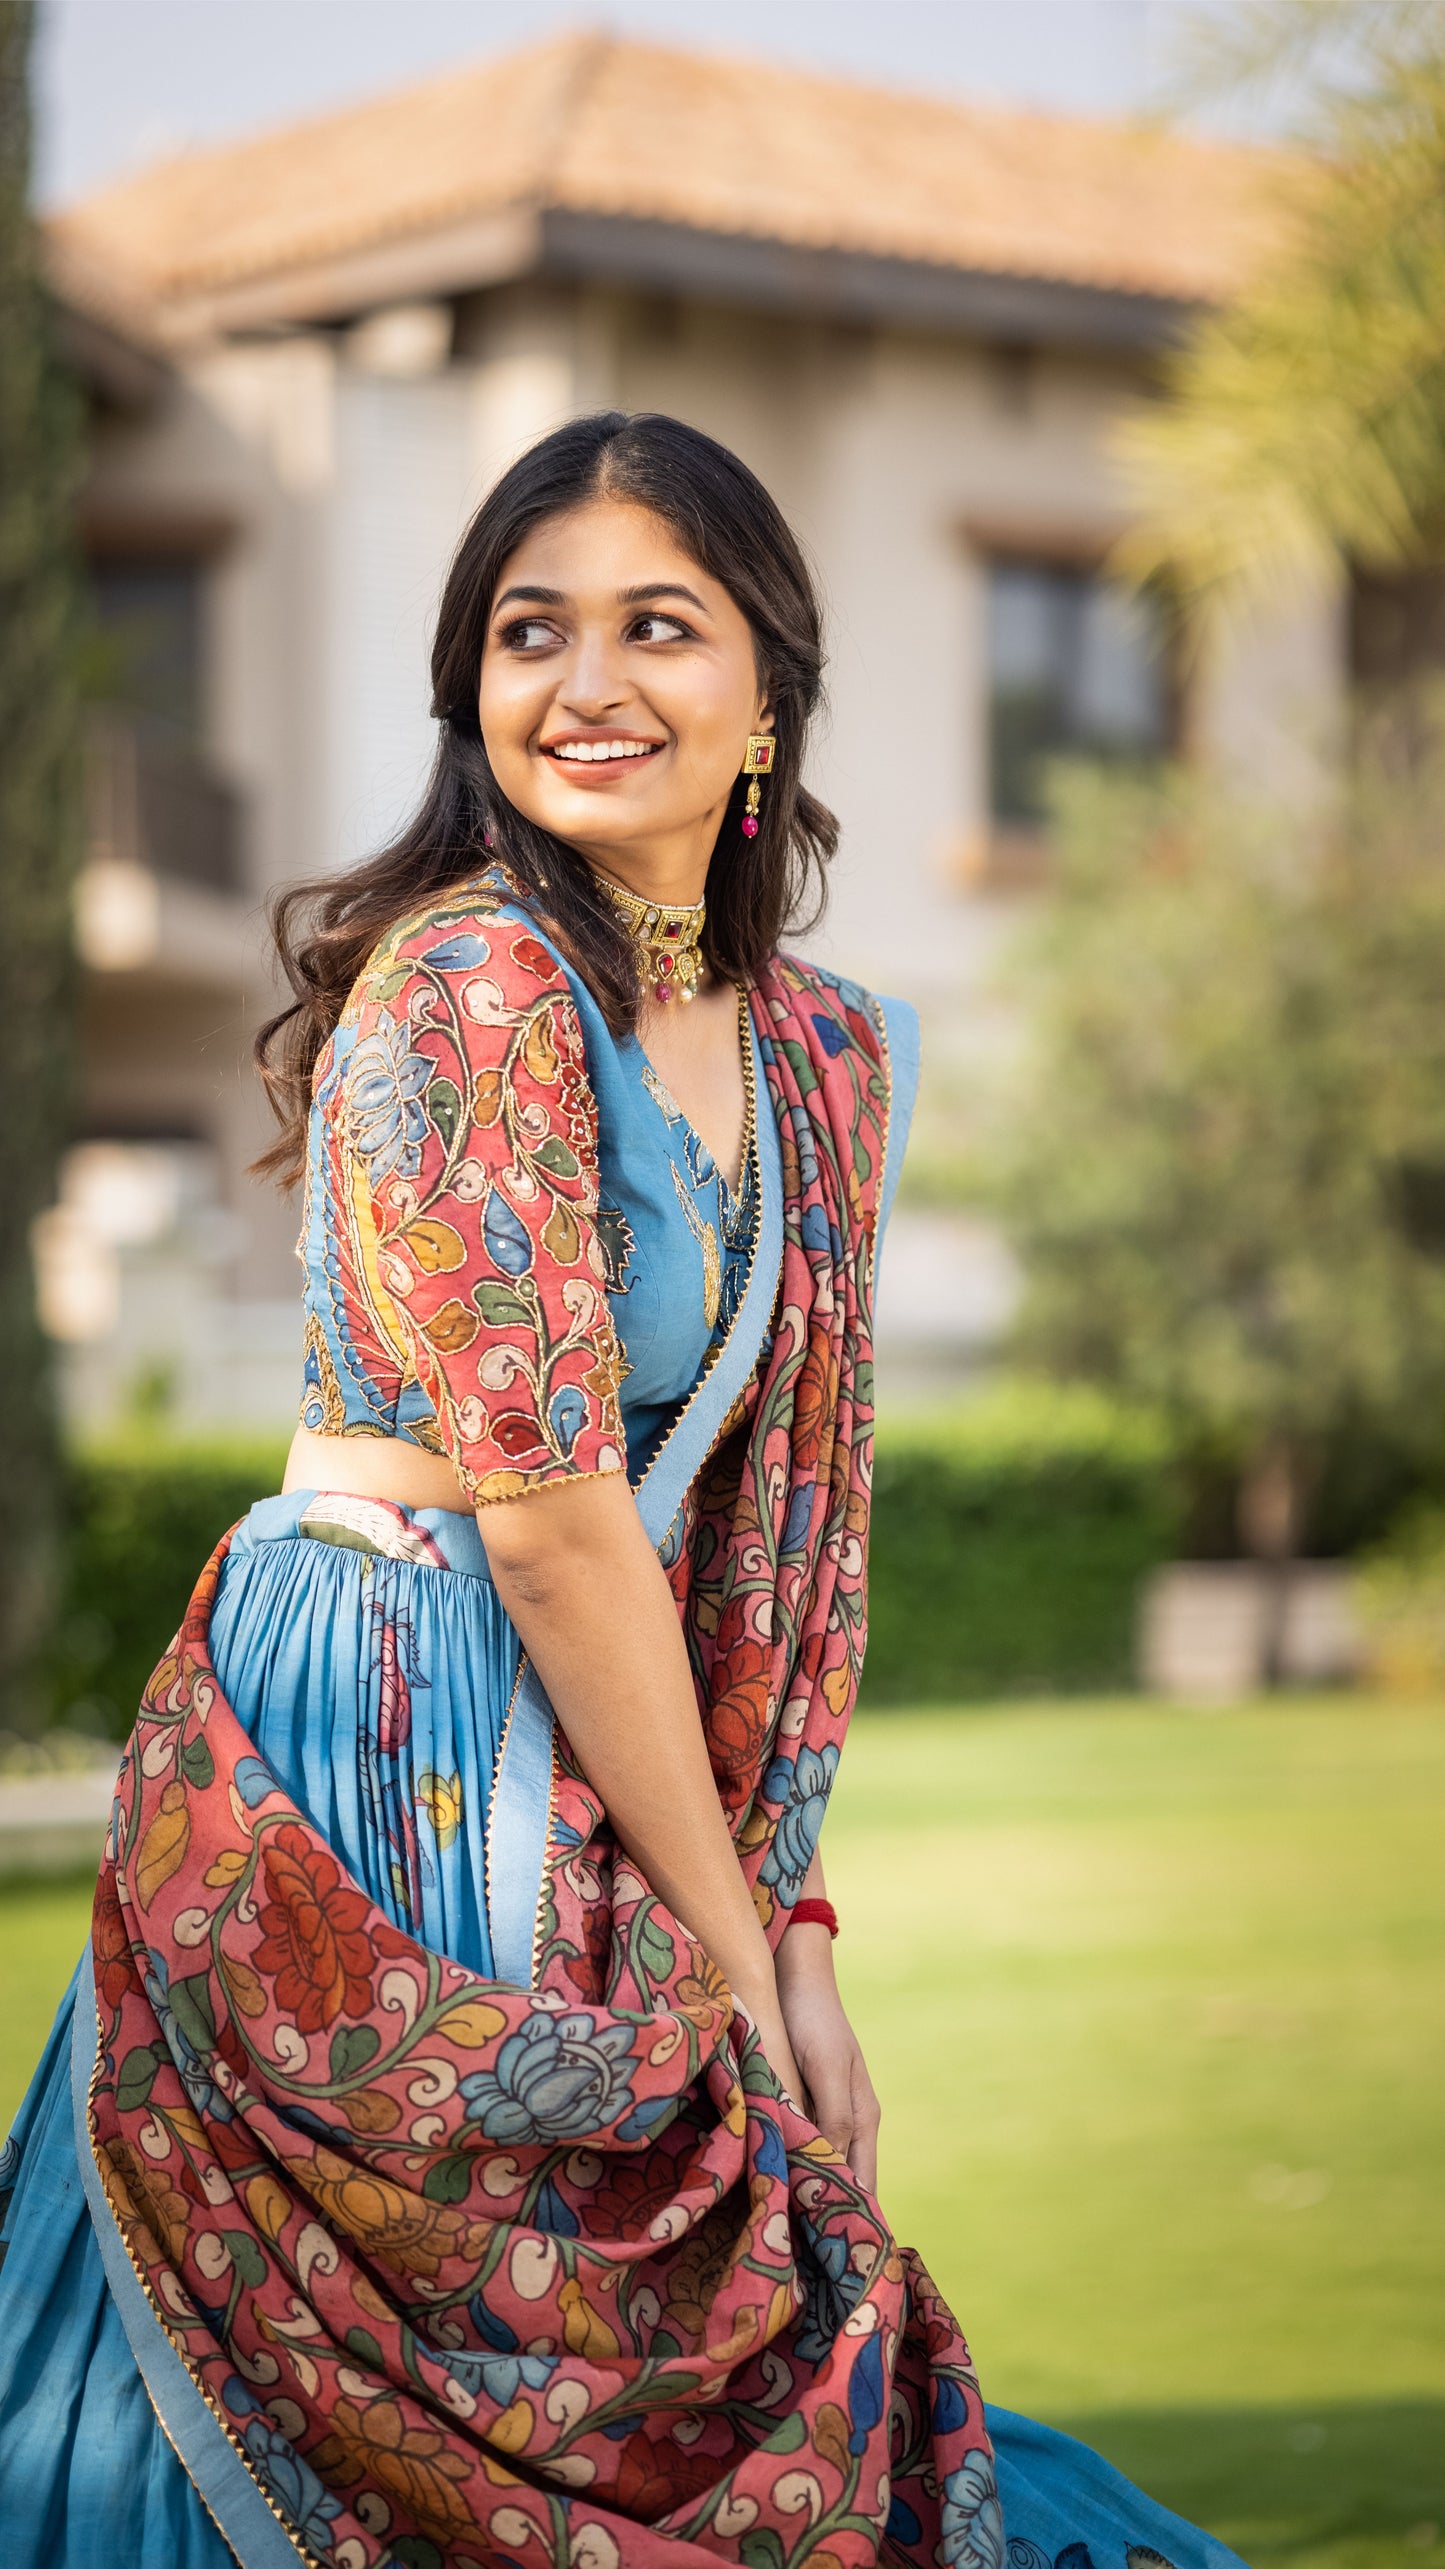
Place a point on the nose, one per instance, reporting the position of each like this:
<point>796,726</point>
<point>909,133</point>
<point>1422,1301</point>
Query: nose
<point>595,682</point>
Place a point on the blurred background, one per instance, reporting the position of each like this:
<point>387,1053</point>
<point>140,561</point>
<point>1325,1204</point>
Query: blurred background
<point>1096,349</point>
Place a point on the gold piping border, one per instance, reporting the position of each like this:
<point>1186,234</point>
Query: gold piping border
<point>496,1771</point>
<point>881,1022</point>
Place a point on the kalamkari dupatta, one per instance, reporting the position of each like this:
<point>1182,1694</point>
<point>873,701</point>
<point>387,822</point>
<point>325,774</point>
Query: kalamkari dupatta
<point>425,2269</point>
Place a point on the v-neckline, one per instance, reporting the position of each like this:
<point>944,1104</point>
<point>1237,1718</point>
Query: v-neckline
<point>733,1194</point>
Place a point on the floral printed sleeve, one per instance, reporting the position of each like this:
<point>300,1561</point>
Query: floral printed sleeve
<point>467,1118</point>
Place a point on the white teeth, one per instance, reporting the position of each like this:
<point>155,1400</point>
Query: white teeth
<point>591,749</point>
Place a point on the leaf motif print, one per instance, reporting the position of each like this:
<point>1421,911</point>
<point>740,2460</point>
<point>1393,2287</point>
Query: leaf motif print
<point>444,1106</point>
<point>463,953</point>
<point>516,1432</point>
<point>163,1848</point>
<point>540,1053</point>
<point>566,1416</point>
<point>508,1241</point>
<point>560,1234</point>
<point>486,1097</point>
<point>436,1247</point>
<point>556,1157</point>
<point>502,1307</point>
<point>533,957</point>
<point>451,1329</point>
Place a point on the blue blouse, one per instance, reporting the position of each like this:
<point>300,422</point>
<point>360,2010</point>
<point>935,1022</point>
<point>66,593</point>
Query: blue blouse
<point>676,1241</point>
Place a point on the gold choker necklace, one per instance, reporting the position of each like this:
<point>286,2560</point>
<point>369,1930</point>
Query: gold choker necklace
<point>668,937</point>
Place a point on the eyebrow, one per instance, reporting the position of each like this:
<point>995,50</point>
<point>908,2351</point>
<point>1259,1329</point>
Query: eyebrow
<point>639,597</point>
<point>659,589</point>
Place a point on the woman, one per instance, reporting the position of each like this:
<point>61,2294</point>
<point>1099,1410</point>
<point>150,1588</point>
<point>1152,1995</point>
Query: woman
<point>454,2148</point>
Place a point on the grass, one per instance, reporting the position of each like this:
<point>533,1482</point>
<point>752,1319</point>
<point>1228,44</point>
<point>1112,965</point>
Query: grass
<point>1154,2002</point>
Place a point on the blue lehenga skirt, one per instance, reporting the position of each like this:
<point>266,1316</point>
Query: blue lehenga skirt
<point>375,1689</point>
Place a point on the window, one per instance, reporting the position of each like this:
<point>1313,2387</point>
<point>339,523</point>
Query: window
<point>1076,668</point>
<point>1397,630</point>
<point>154,799</point>
<point>149,615</point>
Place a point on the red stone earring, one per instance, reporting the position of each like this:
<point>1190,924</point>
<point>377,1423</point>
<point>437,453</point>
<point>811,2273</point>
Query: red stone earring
<point>758,759</point>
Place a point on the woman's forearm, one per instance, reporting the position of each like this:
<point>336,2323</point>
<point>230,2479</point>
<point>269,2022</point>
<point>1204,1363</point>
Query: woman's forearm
<point>582,1584</point>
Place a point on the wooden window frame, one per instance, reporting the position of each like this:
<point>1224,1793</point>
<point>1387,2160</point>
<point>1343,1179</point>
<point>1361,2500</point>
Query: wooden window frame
<point>1001,856</point>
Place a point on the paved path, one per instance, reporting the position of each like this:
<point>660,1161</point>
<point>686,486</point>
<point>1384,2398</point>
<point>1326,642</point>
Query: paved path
<point>54,1823</point>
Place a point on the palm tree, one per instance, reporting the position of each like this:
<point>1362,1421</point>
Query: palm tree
<point>1304,427</point>
<point>39,444</point>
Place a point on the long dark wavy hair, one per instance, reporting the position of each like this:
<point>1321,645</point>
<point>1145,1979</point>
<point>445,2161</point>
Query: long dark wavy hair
<point>757,888</point>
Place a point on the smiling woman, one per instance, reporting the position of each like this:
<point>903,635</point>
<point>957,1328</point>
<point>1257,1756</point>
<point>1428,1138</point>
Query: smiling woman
<point>453,2148</point>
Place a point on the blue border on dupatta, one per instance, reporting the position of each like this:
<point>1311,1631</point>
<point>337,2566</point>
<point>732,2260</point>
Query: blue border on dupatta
<point>221,2480</point>
<point>521,1805</point>
<point>905,1052</point>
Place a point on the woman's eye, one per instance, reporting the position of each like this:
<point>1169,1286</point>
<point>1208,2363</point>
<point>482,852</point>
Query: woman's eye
<point>529,633</point>
<point>660,628</point>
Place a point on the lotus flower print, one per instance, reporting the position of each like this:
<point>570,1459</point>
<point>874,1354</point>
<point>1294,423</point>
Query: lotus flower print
<point>558,2079</point>
<point>972,2516</point>
<point>385,1084</point>
<point>802,1785</point>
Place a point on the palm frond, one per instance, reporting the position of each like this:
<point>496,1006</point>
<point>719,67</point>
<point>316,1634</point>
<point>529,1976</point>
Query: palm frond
<point>1306,425</point>
<point>1270,43</point>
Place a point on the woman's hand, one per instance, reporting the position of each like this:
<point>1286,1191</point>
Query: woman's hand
<point>827,2049</point>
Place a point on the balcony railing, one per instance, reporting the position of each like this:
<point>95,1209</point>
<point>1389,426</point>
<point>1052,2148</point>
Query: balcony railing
<point>154,802</point>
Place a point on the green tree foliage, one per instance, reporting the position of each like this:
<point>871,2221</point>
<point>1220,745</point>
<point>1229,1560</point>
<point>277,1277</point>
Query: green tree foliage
<point>38,452</point>
<point>1304,427</point>
<point>1223,1160</point>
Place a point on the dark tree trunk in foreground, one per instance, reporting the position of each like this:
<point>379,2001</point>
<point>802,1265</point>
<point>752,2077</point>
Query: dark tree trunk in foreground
<point>39,446</point>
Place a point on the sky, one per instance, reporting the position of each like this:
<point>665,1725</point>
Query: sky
<point>121,82</point>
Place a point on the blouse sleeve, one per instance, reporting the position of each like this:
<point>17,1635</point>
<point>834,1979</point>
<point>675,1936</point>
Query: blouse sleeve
<point>470,1124</point>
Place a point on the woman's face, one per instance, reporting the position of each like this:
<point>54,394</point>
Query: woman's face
<point>618,689</point>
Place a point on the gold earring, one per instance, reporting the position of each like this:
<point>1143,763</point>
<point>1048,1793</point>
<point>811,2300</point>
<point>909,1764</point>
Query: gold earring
<point>758,758</point>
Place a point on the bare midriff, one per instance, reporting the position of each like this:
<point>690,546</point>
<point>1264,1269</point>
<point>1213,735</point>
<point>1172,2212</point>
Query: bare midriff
<point>374,1467</point>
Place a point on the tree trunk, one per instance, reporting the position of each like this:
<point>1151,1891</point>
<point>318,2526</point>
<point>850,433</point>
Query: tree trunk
<point>1273,1494</point>
<point>39,806</point>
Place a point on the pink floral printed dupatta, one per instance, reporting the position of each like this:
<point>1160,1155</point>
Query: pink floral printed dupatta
<point>467,2273</point>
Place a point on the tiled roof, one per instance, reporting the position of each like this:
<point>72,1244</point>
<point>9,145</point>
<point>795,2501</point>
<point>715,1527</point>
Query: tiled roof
<point>590,124</point>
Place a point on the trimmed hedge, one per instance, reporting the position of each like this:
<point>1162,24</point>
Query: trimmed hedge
<point>144,1514</point>
<point>1010,1536</point>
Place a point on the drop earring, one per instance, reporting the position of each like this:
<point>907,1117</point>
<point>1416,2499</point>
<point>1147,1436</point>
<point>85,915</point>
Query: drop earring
<point>758,759</point>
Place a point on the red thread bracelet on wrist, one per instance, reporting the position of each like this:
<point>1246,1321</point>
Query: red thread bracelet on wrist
<point>814,1913</point>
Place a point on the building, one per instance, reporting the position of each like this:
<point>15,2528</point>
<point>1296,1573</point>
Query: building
<point>919,321</point>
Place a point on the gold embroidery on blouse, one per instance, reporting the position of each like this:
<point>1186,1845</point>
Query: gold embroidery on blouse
<point>326,1386</point>
<point>659,1095</point>
<point>707,1240</point>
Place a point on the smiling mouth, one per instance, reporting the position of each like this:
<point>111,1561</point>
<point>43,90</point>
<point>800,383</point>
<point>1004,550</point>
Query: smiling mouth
<point>607,751</point>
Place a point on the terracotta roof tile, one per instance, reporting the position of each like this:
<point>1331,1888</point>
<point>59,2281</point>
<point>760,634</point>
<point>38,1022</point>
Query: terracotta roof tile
<point>599,125</point>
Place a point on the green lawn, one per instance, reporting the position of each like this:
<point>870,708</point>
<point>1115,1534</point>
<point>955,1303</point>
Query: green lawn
<point>1155,2005</point>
